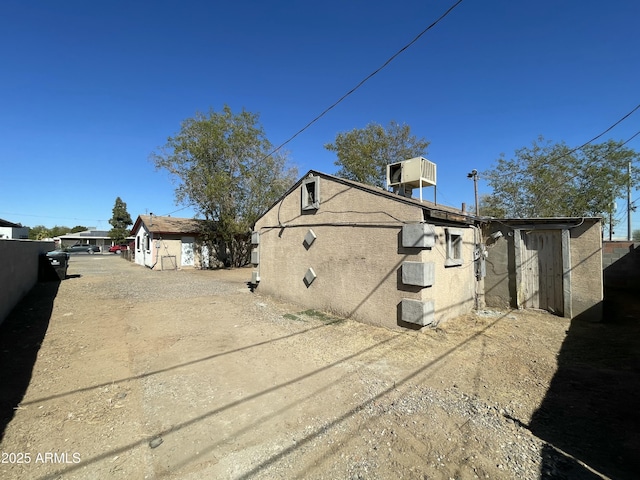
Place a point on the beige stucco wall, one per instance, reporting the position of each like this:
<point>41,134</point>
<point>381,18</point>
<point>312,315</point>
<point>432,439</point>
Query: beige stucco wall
<point>587,291</point>
<point>19,271</point>
<point>167,246</point>
<point>357,257</point>
<point>455,287</point>
<point>500,262</point>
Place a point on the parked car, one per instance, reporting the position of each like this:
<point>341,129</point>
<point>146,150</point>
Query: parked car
<point>83,248</point>
<point>118,248</point>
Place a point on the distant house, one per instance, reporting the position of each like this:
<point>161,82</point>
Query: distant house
<point>169,243</point>
<point>91,236</point>
<point>13,230</point>
<point>365,253</point>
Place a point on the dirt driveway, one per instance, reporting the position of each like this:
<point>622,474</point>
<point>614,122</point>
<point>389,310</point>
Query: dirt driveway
<point>121,372</point>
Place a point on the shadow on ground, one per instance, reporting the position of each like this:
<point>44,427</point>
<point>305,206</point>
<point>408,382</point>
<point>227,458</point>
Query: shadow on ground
<point>21,335</point>
<point>590,417</point>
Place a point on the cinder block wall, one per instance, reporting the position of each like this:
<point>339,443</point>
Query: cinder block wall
<point>19,261</point>
<point>621,265</point>
<point>587,289</point>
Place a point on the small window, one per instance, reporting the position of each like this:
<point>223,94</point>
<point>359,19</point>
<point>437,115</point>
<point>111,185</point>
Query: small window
<point>454,247</point>
<point>147,243</point>
<point>137,243</point>
<point>311,193</point>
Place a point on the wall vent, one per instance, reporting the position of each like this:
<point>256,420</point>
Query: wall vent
<point>309,277</point>
<point>309,238</point>
<point>417,312</point>
<point>418,235</point>
<point>418,273</point>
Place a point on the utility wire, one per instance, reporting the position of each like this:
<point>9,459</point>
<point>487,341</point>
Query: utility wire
<point>609,129</point>
<point>601,134</point>
<point>326,110</point>
<point>631,138</point>
<point>595,160</point>
<point>178,210</point>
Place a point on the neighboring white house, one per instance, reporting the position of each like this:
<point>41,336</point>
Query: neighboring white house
<point>13,230</point>
<point>169,243</point>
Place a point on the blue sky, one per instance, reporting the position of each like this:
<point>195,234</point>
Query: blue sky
<point>89,89</point>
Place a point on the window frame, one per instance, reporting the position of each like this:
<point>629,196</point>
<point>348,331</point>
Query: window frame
<point>310,194</point>
<point>454,240</point>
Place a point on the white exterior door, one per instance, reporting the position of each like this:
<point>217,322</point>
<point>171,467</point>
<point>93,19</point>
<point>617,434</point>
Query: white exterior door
<point>187,254</point>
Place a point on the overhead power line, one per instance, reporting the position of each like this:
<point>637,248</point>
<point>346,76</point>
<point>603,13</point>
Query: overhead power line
<point>601,134</point>
<point>617,148</point>
<point>573,150</point>
<point>178,210</point>
<point>630,138</point>
<point>362,82</point>
<point>609,129</point>
<point>53,217</point>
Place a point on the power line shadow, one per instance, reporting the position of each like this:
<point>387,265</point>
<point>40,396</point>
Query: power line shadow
<point>173,367</point>
<point>589,416</point>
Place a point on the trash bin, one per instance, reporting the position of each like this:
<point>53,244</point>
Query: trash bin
<point>58,262</point>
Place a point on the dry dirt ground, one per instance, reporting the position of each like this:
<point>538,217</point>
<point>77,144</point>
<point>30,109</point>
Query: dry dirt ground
<point>121,372</point>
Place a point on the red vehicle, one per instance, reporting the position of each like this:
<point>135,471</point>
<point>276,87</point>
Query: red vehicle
<point>118,248</point>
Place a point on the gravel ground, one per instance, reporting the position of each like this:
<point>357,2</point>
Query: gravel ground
<point>189,375</point>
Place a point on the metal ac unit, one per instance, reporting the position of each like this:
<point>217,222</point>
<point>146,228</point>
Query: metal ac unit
<point>416,172</point>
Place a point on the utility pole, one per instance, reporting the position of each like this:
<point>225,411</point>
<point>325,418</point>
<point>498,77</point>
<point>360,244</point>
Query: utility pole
<point>629,237</point>
<point>611,210</point>
<point>474,176</point>
<point>611,226</point>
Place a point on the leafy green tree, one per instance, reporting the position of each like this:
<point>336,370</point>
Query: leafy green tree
<point>551,180</point>
<point>120,221</point>
<point>222,165</point>
<point>78,228</point>
<point>363,153</point>
<point>58,231</point>
<point>38,232</point>
<point>636,236</point>
<point>490,208</point>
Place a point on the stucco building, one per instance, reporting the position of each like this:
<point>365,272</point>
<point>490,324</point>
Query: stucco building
<point>365,253</point>
<point>168,243</point>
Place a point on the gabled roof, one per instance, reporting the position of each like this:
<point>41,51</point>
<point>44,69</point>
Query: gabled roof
<point>435,211</point>
<point>167,225</point>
